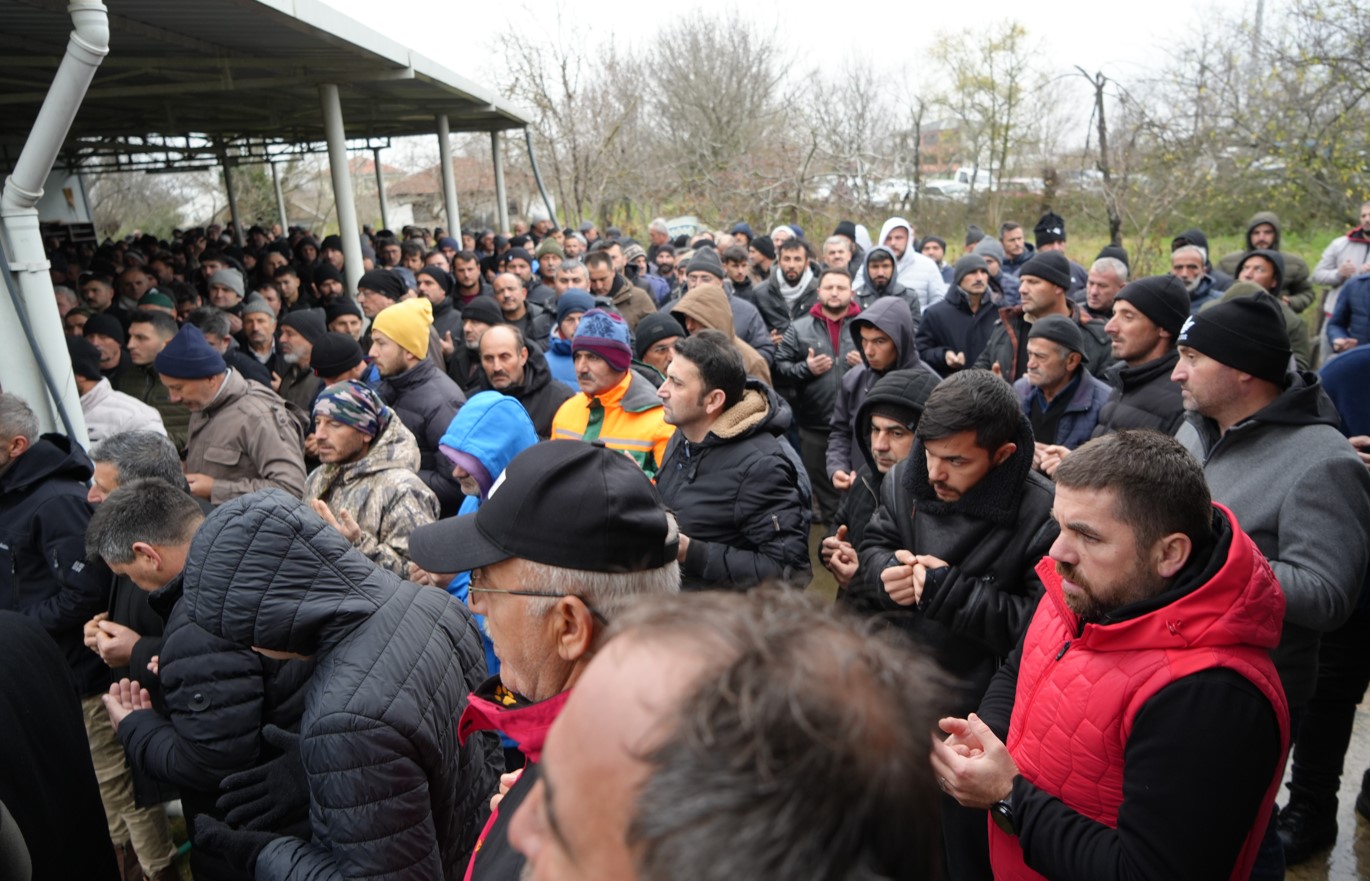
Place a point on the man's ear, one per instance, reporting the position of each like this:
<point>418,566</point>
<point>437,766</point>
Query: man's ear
<point>143,549</point>
<point>18,445</point>
<point>1001,455</point>
<point>575,628</point>
<point>1170,553</point>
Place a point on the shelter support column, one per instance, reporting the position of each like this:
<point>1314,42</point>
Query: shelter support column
<point>449,180</point>
<point>342,186</point>
<point>234,222</point>
<point>380,188</point>
<point>501,200</point>
<point>280,198</point>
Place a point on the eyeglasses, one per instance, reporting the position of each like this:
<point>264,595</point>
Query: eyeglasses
<point>538,593</point>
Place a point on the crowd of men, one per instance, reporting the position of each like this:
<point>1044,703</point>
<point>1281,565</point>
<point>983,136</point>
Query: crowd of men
<point>491,568</point>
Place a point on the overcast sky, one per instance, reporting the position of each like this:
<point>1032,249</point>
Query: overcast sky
<point>1123,40</point>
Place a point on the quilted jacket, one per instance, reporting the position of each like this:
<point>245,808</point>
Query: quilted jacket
<point>392,793</point>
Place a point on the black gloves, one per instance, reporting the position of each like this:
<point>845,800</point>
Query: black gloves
<point>272,795</point>
<point>239,848</point>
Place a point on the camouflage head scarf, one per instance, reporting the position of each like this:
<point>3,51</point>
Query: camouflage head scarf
<point>353,404</point>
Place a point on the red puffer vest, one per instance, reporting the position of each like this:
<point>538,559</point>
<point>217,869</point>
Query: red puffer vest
<point>1078,695</point>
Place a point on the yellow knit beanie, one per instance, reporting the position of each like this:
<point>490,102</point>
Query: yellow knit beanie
<point>407,324</point>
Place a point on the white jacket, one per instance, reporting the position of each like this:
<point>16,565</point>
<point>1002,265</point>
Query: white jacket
<point>109,413</point>
<point>914,271</point>
<point>1327,271</point>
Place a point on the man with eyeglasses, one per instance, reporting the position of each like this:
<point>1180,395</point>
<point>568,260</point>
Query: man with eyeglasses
<point>570,534</point>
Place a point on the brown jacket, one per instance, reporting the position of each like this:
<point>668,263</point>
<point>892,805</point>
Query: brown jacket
<point>708,304</point>
<point>246,440</point>
<point>633,303</point>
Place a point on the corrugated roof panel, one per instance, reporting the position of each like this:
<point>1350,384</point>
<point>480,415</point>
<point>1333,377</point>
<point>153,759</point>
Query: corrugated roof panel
<point>235,68</point>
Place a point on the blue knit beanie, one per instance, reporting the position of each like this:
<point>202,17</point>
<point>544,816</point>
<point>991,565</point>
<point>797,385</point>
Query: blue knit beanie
<point>188,356</point>
<point>573,300</point>
<point>606,335</point>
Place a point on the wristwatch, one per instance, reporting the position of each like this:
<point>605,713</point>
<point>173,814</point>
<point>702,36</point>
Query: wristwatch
<point>1001,812</point>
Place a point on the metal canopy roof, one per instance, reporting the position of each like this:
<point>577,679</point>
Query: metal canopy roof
<point>184,76</point>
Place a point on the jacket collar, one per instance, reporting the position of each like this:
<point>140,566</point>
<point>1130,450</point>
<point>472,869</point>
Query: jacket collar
<point>995,498</point>
<point>495,708</point>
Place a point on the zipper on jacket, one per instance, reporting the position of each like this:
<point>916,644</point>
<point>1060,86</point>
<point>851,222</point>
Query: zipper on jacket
<point>1026,707</point>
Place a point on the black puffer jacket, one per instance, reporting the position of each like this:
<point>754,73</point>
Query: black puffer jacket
<point>742,496</point>
<point>1143,397</point>
<point>426,401</point>
<point>43,568</point>
<point>218,698</point>
<point>392,794</point>
<point>972,612</point>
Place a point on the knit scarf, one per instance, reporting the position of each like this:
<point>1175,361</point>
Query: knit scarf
<point>792,294</point>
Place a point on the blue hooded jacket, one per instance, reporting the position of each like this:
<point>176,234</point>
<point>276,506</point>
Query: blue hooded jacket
<point>561,361</point>
<point>493,428</point>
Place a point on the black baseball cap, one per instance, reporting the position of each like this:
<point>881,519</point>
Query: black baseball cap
<point>562,503</point>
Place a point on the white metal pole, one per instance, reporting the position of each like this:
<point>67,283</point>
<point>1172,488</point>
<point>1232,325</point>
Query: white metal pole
<point>380,188</point>
<point>501,200</point>
<point>235,222</point>
<point>342,187</point>
<point>280,198</point>
<point>449,181</point>
<point>20,372</point>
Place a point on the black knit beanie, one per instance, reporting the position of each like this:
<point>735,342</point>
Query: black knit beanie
<point>1162,298</point>
<point>1245,333</point>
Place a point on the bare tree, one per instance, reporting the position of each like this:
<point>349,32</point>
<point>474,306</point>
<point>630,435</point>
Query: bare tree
<point>718,112</point>
<point>579,111</point>
<point>851,118</point>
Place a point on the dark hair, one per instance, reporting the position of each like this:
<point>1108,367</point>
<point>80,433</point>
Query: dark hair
<point>161,322</point>
<point>1008,226</point>
<point>287,269</point>
<point>465,257</point>
<point>833,270</point>
<point>972,400</point>
<point>1159,487</point>
<point>794,243</point>
<point>718,361</point>
<point>800,750</point>
<point>151,511</point>
<point>211,320</point>
<point>411,249</point>
<point>599,258</point>
<point>880,254</point>
<point>735,254</point>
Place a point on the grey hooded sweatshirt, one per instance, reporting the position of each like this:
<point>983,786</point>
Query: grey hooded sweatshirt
<point>888,314</point>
